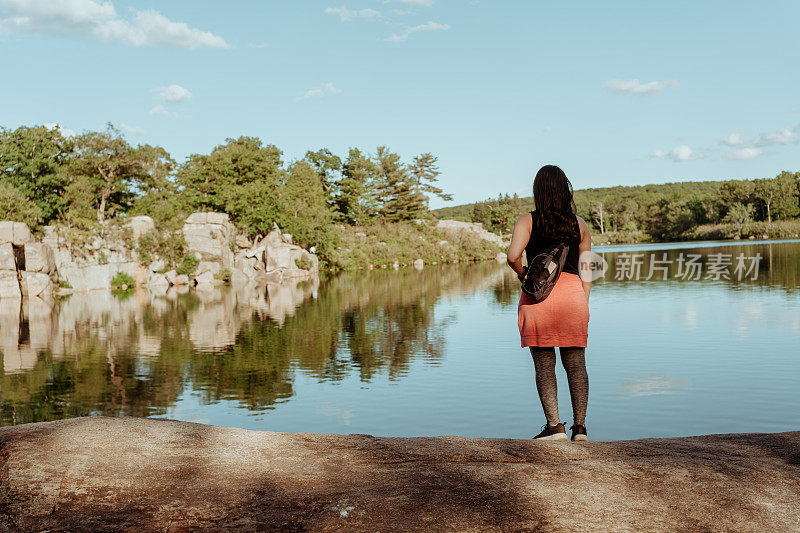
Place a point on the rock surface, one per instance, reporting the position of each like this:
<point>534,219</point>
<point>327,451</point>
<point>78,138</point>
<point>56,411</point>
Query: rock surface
<point>472,227</point>
<point>209,236</point>
<point>9,285</point>
<point>140,225</point>
<point>131,474</point>
<point>36,284</point>
<point>39,257</point>
<point>17,233</point>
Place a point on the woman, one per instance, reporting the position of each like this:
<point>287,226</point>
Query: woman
<point>562,319</point>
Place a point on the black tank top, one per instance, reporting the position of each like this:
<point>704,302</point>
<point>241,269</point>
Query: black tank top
<point>537,244</point>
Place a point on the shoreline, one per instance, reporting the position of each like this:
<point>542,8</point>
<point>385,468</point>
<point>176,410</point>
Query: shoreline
<point>119,473</point>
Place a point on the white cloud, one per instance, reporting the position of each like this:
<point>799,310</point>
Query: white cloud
<point>351,14</point>
<point>635,87</point>
<point>428,26</point>
<point>172,94</point>
<point>734,139</point>
<point>66,132</point>
<point>79,18</point>
<point>745,153</point>
<point>786,135</point>
<point>426,3</point>
<point>259,45</point>
<point>328,88</point>
<point>678,154</point>
<point>161,110</point>
<point>133,130</point>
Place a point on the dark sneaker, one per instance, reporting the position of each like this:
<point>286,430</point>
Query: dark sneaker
<point>579,432</point>
<point>556,432</point>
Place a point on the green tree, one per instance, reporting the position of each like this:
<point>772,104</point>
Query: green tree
<point>159,196</point>
<point>17,207</point>
<point>425,173</point>
<point>739,214</point>
<point>787,195</point>
<point>305,212</point>
<point>354,192</point>
<point>397,192</point>
<point>218,181</point>
<point>327,165</point>
<point>109,168</point>
<point>31,159</point>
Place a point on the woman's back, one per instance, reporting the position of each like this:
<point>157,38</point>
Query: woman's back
<point>539,241</point>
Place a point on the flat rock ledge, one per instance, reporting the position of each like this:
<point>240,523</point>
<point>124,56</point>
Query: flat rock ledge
<point>111,474</point>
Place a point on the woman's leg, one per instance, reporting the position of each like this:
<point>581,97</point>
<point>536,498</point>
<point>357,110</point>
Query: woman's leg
<point>574,361</point>
<point>544,361</point>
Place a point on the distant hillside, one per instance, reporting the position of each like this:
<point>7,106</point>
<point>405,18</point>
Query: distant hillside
<point>584,196</point>
<point>662,212</point>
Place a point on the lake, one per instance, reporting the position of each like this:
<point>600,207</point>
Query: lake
<point>713,348</point>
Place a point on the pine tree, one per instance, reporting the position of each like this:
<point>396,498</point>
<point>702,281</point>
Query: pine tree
<point>398,196</point>
<point>354,192</point>
<point>425,172</point>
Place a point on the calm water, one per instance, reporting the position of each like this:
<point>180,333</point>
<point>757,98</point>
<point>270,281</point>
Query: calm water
<point>431,352</point>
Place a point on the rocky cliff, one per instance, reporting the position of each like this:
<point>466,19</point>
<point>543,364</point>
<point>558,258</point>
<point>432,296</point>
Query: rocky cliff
<point>31,268</point>
<point>114,474</point>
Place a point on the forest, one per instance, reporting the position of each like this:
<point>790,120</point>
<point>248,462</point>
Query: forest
<point>688,210</point>
<point>88,181</point>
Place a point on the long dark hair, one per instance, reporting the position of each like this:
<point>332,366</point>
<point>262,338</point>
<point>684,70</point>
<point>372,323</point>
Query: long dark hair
<point>554,217</point>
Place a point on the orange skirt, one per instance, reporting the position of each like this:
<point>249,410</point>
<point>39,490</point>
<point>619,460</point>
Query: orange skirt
<point>562,319</point>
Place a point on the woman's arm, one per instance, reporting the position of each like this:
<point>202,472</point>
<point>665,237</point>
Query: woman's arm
<point>585,246</point>
<point>519,240</point>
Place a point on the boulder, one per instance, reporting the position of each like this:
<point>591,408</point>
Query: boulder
<point>418,264</point>
<point>7,259</point>
<point>500,257</point>
<point>9,285</point>
<point>472,227</point>
<point>285,257</point>
<point>158,265</point>
<point>276,237</point>
<point>207,266</point>
<point>158,281</point>
<point>176,279</point>
<point>209,235</point>
<point>140,225</point>
<point>36,284</point>
<point>39,257</point>
<point>206,278</point>
<point>243,242</point>
<point>91,277</point>
<point>170,276</point>
<point>17,233</point>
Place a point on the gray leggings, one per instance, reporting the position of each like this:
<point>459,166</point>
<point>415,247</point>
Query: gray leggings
<point>574,361</point>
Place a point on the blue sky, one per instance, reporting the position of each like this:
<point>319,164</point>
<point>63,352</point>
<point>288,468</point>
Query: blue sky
<point>614,92</point>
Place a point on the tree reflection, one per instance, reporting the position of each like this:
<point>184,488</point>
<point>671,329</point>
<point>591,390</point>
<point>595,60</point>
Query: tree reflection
<point>97,354</point>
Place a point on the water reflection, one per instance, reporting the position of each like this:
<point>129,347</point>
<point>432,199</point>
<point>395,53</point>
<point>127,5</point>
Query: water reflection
<point>434,351</point>
<point>136,353</point>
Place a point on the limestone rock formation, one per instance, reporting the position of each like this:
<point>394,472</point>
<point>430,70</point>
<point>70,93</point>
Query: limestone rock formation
<point>16,233</point>
<point>39,257</point>
<point>472,227</point>
<point>140,225</point>
<point>131,474</point>
<point>36,284</point>
<point>209,236</point>
<point>7,258</point>
<point>9,285</point>
<point>87,277</point>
